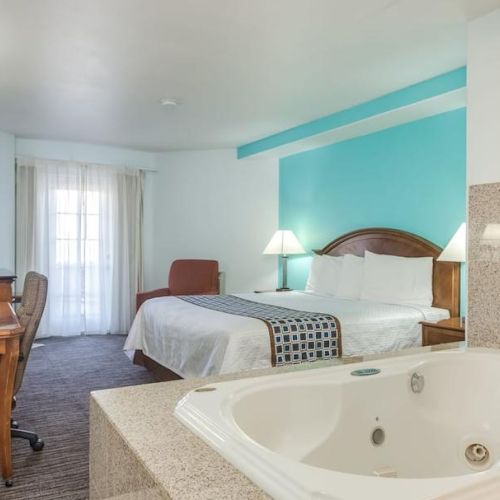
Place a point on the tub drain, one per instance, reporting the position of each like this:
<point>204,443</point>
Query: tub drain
<point>477,454</point>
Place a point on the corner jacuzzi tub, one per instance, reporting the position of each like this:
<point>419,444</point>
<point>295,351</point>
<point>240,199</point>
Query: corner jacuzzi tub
<point>425,426</point>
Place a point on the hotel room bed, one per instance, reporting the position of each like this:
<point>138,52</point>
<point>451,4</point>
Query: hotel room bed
<point>193,342</point>
<point>177,339</point>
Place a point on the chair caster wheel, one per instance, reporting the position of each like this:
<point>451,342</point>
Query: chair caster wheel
<point>37,445</point>
<point>9,483</point>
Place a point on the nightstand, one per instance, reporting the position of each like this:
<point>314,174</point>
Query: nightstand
<point>447,330</point>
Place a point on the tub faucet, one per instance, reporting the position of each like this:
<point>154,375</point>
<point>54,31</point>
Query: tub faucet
<point>417,382</point>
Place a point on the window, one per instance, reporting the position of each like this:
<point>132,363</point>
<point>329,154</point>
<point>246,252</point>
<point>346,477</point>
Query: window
<point>77,248</point>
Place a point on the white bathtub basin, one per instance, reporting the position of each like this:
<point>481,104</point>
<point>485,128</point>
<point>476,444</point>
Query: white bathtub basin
<point>310,434</point>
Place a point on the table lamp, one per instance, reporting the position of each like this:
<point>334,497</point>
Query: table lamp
<point>284,243</point>
<point>455,250</point>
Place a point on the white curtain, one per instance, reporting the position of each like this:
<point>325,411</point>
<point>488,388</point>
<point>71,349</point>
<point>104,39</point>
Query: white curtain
<point>81,225</point>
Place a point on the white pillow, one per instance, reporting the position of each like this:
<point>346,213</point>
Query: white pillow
<point>324,274</point>
<point>351,277</point>
<point>398,280</point>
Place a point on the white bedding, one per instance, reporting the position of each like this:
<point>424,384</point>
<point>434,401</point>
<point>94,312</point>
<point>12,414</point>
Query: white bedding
<point>193,341</point>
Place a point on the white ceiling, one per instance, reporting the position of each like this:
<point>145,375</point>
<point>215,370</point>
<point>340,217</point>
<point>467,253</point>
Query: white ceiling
<point>94,70</point>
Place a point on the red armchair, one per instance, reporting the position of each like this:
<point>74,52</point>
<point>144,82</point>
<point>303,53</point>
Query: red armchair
<point>187,277</point>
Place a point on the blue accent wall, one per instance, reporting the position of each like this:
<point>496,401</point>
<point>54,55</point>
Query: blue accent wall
<point>411,177</point>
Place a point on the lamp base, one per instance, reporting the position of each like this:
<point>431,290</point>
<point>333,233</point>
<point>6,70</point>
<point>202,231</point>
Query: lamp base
<point>286,289</point>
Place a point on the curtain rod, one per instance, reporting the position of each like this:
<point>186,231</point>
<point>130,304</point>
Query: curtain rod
<point>63,160</point>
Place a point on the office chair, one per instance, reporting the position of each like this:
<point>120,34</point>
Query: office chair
<point>29,314</point>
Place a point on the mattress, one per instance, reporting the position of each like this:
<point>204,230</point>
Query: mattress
<point>195,342</point>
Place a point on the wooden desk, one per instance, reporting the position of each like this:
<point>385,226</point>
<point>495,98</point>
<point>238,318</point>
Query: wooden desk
<point>10,333</point>
<point>7,279</point>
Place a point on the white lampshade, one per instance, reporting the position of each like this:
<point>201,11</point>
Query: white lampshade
<point>283,243</point>
<point>456,247</point>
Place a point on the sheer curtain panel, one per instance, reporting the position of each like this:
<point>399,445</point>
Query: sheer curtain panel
<point>81,225</point>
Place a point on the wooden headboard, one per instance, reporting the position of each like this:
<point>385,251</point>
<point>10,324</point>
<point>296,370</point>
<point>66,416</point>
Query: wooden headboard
<point>446,275</point>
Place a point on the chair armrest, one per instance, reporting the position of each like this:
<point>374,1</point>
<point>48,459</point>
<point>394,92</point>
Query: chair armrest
<point>143,296</point>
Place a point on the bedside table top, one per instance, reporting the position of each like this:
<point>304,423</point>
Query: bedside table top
<point>447,324</point>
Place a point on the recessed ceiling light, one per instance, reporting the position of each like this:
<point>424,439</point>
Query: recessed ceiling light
<point>168,101</point>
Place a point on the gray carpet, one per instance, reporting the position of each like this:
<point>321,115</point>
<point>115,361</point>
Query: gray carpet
<point>54,403</point>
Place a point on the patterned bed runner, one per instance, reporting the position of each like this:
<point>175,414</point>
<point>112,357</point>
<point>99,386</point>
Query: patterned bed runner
<point>296,336</point>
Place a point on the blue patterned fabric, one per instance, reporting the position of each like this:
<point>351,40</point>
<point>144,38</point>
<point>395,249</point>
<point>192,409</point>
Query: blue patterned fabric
<point>295,336</point>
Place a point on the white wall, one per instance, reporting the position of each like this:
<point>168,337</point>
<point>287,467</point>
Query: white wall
<point>483,99</point>
<point>207,204</point>
<point>7,200</point>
